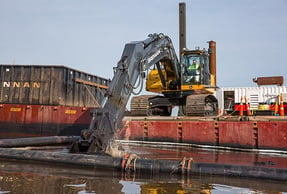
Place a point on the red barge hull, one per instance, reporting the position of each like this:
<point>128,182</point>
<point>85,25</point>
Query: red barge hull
<point>254,133</point>
<point>42,120</point>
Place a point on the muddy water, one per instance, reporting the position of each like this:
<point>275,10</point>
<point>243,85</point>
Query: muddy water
<point>28,177</point>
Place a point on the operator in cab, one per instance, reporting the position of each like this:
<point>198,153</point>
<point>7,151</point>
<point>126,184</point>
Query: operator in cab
<point>193,71</point>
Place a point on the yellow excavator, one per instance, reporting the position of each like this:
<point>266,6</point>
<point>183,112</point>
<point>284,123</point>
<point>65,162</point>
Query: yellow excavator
<point>188,84</point>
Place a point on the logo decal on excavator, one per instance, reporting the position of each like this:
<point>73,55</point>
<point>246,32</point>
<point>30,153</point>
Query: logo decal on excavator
<point>153,56</point>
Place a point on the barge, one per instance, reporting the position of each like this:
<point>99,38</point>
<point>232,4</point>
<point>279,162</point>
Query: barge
<point>247,116</point>
<point>226,132</point>
<point>252,123</point>
<point>45,100</point>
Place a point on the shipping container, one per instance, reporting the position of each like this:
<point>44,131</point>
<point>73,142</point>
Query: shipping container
<point>50,85</point>
<point>229,96</point>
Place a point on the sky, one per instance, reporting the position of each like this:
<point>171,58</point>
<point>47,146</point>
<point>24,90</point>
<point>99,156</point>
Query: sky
<point>89,35</point>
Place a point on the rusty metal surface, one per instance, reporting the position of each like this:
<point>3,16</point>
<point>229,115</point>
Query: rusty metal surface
<point>237,134</point>
<point>39,120</point>
<point>199,132</point>
<point>274,80</point>
<point>257,133</point>
<point>272,134</point>
<point>212,61</point>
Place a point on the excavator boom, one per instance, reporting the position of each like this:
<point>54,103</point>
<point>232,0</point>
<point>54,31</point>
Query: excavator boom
<point>137,58</point>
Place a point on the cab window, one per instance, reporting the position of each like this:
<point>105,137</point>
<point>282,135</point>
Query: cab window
<point>191,69</point>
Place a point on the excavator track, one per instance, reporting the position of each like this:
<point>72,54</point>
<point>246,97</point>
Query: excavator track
<point>150,105</point>
<point>201,105</point>
<point>139,105</point>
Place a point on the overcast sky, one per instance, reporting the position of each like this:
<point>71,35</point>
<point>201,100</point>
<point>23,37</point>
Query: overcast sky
<point>89,35</point>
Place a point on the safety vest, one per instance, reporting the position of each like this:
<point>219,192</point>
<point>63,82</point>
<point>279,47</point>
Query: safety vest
<point>193,67</point>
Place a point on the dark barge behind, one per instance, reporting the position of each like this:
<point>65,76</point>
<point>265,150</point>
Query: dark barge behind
<point>42,100</point>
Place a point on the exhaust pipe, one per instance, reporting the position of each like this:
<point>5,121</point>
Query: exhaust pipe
<point>212,62</point>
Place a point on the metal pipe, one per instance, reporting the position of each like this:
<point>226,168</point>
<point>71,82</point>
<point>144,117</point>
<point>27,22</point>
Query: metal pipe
<point>212,62</point>
<point>182,27</point>
<point>37,141</point>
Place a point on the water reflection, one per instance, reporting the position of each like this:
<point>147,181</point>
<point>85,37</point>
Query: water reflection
<point>25,177</point>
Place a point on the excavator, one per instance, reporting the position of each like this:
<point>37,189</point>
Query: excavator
<point>188,85</point>
<point>178,85</point>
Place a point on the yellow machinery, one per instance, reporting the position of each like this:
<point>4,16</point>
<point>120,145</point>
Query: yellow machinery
<point>191,88</point>
<point>190,84</point>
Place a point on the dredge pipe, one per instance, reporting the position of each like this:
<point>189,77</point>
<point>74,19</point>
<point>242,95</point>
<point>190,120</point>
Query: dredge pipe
<point>151,166</point>
<point>37,141</point>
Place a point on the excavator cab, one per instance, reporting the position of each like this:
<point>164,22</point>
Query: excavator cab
<point>197,84</point>
<point>195,70</point>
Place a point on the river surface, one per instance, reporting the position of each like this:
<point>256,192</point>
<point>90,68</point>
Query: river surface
<point>44,178</point>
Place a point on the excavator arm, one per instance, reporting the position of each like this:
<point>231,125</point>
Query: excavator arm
<point>129,75</point>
